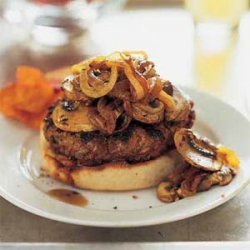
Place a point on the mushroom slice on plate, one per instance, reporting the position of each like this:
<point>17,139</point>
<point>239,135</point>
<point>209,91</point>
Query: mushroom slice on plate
<point>166,192</point>
<point>197,151</point>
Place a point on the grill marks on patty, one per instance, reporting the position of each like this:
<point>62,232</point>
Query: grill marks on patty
<point>139,142</point>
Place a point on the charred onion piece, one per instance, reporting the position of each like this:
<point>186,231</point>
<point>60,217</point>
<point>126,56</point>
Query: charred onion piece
<point>122,122</point>
<point>121,90</point>
<point>196,151</point>
<point>188,186</point>
<point>97,88</point>
<point>106,105</point>
<point>138,82</point>
<point>100,123</point>
<point>104,117</point>
<point>156,86</point>
<point>73,121</point>
<point>151,112</point>
<point>147,69</point>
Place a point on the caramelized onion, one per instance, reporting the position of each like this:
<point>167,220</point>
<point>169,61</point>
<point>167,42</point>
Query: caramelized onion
<point>148,112</point>
<point>167,100</point>
<point>136,79</point>
<point>100,89</point>
<point>156,89</point>
<point>139,90</point>
<point>100,122</point>
<point>95,87</point>
<point>122,122</point>
<point>98,77</point>
<point>104,117</point>
<point>147,69</point>
<point>155,86</point>
<point>95,80</point>
<point>138,82</point>
<point>77,68</point>
<point>105,106</point>
<point>182,106</point>
<point>72,90</point>
<point>121,90</point>
<point>128,108</point>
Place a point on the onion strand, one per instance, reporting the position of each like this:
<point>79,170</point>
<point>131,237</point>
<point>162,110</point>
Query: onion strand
<point>100,89</point>
<point>167,99</point>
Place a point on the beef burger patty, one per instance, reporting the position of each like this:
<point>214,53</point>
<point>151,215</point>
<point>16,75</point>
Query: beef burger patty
<point>139,142</point>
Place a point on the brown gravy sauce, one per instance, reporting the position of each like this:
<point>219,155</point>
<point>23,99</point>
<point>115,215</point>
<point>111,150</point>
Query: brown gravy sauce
<point>68,196</point>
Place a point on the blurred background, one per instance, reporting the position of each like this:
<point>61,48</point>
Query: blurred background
<point>203,44</point>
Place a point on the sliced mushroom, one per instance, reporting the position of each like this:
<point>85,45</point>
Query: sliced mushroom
<point>193,180</point>
<point>166,192</point>
<point>222,178</point>
<point>72,121</point>
<point>197,151</point>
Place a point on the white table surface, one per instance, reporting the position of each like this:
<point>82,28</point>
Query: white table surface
<point>217,64</point>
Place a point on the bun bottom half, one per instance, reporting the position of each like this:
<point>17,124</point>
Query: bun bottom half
<point>113,176</point>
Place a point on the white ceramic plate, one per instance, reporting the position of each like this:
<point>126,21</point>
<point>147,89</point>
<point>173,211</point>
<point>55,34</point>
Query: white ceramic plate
<point>22,185</point>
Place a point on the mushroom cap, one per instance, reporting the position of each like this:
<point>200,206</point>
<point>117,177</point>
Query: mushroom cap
<point>197,151</point>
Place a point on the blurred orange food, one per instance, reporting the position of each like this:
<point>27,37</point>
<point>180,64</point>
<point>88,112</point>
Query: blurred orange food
<point>28,98</point>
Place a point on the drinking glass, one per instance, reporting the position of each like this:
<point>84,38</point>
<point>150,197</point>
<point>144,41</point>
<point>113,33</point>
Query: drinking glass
<point>56,22</point>
<point>220,12</point>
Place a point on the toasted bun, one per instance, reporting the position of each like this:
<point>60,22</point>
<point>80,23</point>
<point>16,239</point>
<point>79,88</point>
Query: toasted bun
<point>114,176</point>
